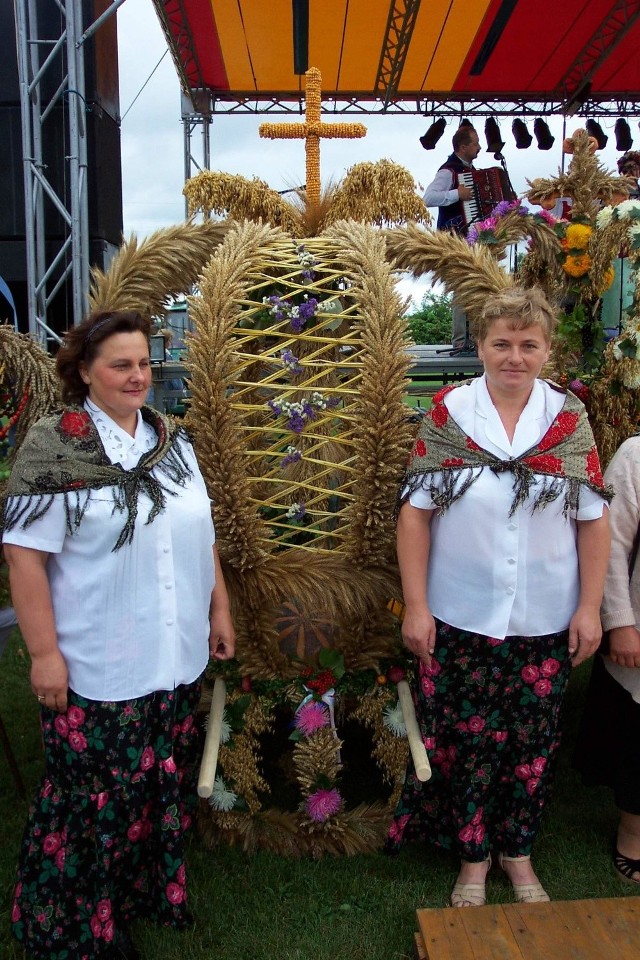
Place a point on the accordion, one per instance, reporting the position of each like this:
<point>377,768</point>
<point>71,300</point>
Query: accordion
<point>489,187</point>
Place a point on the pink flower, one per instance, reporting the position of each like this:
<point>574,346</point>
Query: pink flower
<point>500,736</point>
<point>542,688</point>
<point>433,668</point>
<point>531,785</point>
<point>176,893</point>
<point>169,765</point>
<point>312,716</point>
<point>549,668</point>
<point>135,831</point>
<point>103,910</point>
<point>103,797</point>
<point>181,874</point>
<point>59,859</point>
<point>187,724</point>
<point>428,686</point>
<point>77,741</point>
<point>439,756</point>
<point>523,771</point>
<point>108,931</point>
<point>51,843</point>
<point>538,765</point>
<point>477,817</point>
<point>494,641</point>
<point>15,913</point>
<point>466,834</point>
<point>478,833</point>
<point>530,673</point>
<point>396,830</point>
<point>96,927</point>
<point>75,716</point>
<point>462,726</point>
<point>323,804</point>
<point>429,742</point>
<point>61,725</point>
<point>476,724</point>
<point>147,759</point>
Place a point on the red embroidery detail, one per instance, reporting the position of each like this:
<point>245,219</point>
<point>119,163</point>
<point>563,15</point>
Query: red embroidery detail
<point>546,464</point>
<point>76,424</point>
<point>441,394</point>
<point>453,462</point>
<point>439,414</point>
<point>472,445</point>
<point>420,449</point>
<point>563,426</point>
<point>594,472</point>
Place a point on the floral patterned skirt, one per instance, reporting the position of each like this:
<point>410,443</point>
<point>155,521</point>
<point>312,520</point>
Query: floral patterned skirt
<point>104,837</point>
<point>489,712</point>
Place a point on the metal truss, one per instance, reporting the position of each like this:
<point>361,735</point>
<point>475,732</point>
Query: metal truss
<point>175,26</point>
<point>398,33</point>
<point>613,28</point>
<point>44,62</point>
<point>192,121</point>
<point>429,104</point>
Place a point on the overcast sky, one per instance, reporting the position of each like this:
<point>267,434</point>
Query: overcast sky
<point>153,148</point>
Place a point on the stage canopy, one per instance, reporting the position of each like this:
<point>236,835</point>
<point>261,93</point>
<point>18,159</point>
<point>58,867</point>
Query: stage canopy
<point>416,56</point>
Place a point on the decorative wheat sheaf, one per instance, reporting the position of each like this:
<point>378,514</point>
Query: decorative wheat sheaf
<point>302,433</point>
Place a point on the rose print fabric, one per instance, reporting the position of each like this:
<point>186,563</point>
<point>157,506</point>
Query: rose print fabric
<point>488,711</point>
<point>104,838</point>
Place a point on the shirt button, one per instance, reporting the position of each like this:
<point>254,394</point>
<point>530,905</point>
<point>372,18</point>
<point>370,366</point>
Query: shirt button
<point>169,623</point>
<point>512,526</point>
<point>168,586</point>
<point>165,549</point>
<point>511,560</point>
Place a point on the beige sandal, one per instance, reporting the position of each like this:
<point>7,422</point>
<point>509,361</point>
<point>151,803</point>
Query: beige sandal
<point>525,892</point>
<point>469,894</point>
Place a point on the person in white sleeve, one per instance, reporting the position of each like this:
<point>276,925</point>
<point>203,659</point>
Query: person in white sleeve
<point>120,598</point>
<point>502,542</point>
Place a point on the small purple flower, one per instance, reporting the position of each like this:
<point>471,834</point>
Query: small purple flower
<point>295,422</point>
<point>296,511</point>
<point>291,362</point>
<point>308,309</point>
<point>275,407</point>
<point>323,804</point>
<point>292,456</point>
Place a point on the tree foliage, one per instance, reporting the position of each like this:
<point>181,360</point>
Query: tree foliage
<point>431,323</point>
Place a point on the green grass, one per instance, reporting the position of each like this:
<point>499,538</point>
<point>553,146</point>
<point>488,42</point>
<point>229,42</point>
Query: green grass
<point>264,907</point>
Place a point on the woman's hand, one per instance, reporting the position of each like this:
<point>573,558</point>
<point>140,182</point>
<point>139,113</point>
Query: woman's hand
<point>585,634</point>
<point>50,680</point>
<point>624,646</point>
<point>419,632</point>
<point>222,636</point>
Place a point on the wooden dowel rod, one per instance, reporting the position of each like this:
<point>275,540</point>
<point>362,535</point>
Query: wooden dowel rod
<point>418,752</point>
<point>212,740</point>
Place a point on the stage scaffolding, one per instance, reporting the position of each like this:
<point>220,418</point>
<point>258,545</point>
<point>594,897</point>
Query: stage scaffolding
<point>40,57</point>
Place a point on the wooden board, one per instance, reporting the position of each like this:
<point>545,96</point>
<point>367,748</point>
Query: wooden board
<point>562,930</point>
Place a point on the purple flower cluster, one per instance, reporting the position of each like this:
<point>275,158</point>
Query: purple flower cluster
<point>489,224</point>
<point>302,314</point>
<point>291,362</point>
<point>292,456</point>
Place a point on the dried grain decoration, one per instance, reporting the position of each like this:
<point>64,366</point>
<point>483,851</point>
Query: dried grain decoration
<point>142,276</point>
<point>27,369</point>
<point>471,272</point>
<point>382,193</point>
<point>231,195</point>
<point>352,359</point>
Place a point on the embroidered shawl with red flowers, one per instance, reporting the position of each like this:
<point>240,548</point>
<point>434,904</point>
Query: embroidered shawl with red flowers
<point>63,454</point>
<point>446,462</point>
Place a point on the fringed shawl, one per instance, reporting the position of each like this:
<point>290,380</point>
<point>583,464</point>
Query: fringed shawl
<point>63,454</point>
<point>446,462</point>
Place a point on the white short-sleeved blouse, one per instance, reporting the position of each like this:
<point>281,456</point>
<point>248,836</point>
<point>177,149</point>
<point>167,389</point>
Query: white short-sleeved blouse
<point>135,620</point>
<point>494,574</point>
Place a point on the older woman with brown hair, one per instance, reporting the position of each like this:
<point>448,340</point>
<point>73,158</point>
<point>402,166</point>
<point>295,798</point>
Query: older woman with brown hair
<point>120,598</point>
<point>502,544</point>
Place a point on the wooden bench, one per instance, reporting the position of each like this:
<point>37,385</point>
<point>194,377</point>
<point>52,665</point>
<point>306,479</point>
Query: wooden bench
<point>562,930</point>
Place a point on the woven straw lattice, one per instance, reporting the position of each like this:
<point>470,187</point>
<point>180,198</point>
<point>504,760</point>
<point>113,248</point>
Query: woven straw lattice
<point>352,362</point>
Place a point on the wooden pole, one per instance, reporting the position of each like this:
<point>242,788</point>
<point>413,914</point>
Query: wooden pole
<point>418,752</point>
<point>212,740</point>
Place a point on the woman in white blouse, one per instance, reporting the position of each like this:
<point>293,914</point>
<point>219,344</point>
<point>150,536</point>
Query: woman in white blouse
<point>502,547</point>
<point>120,598</point>
<point>608,743</point>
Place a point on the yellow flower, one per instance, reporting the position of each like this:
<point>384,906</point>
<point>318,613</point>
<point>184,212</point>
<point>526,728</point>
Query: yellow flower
<point>577,266</point>
<point>577,236</point>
